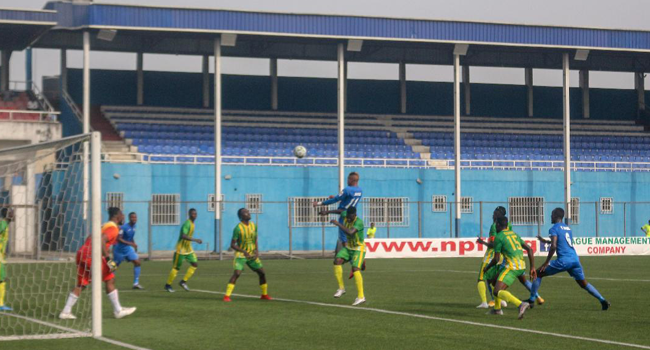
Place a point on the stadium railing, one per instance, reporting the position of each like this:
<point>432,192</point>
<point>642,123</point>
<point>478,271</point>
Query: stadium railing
<point>293,229</point>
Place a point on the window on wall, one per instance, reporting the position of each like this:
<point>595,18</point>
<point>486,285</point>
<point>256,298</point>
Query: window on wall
<point>212,203</point>
<point>466,205</point>
<point>254,203</point>
<point>607,205</point>
<point>526,210</point>
<point>438,204</point>
<point>575,211</point>
<point>115,199</point>
<point>303,213</point>
<point>165,209</point>
<point>393,211</point>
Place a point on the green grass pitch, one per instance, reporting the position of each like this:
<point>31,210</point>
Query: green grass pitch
<point>440,288</point>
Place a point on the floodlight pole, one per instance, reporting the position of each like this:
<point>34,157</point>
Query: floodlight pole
<point>217,145</point>
<point>341,114</point>
<point>457,141</point>
<point>567,137</point>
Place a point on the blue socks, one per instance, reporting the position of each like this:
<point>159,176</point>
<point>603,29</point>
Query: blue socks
<point>593,291</point>
<point>136,275</point>
<point>534,287</point>
<point>529,286</point>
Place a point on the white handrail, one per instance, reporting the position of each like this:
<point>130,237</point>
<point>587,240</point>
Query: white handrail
<point>73,106</point>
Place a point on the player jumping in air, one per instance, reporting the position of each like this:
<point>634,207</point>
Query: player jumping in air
<point>126,249</point>
<point>244,243</point>
<point>110,232</point>
<point>348,198</point>
<point>354,251</point>
<point>6,215</point>
<point>511,246</point>
<point>484,283</point>
<point>567,259</point>
<point>183,252</point>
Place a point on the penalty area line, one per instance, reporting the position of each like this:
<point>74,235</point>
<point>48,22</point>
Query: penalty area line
<point>443,319</point>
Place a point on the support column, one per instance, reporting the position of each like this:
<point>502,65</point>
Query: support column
<point>402,86</point>
<point>639,86</point>
<point>567,137</point>
<point>273,68</point>
<point>28,68</point>
<point>86,117</point>
<point>466,89</point>
<point>64,70</point>
<point>217,138</point>
<point>457,192</point>
<point>96,234</point>
<point>5,56</point>
<point>341,112</point>
<point>584,87</point>
<point>140,73</point>
<point>206,80</point>
<point>529,87</point>
<point>345,83</point>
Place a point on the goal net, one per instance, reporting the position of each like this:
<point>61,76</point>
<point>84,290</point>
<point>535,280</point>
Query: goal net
<point>46,219</point>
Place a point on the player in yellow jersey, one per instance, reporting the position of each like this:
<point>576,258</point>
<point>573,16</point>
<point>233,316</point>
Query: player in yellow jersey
<point>372,230</point>
<point>509,248</point>
<point>646,229</point>
<point>6,215</point>
<point>353,251</point>
<point>244,243</point>
<point>184,252</point>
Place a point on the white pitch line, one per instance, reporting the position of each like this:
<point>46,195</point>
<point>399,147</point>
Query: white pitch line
<point>73,333</point>
<point>122,344</point>
<point>479,324</point>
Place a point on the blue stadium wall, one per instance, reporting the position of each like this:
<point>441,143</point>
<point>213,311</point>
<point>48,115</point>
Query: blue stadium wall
<point>112,87</point>
<point>194,182</point>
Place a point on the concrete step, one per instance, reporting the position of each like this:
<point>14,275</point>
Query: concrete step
<point>413,142</point>
<point>425,155</point>
<point>421,149</point>
<point>405,135</point>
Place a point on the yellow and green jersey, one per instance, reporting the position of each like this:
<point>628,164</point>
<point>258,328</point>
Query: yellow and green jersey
<point>509,245</point>
<point>371,232</point>
<point>4,238</point>
<point>489,253</point>
<point>355,241</point>
<point>646,229</point>
<point>184,247</point>
<point>246,238</point>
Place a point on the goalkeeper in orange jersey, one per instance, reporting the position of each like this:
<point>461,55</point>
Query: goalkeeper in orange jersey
<point>110,231</point>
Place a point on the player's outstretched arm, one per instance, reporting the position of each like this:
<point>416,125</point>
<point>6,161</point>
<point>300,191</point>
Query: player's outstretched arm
<point>531,258</point>
<point>327,212</point>
<point>483,242</point>
<point>551,252</point>
<point>348,231</point>
<point>543,240</point>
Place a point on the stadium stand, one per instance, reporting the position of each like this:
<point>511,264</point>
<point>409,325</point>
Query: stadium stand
<point>162,131</point>
<point>23,101</point>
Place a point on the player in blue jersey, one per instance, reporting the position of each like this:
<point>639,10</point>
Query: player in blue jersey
<point>349,197</point>
<point>126,249</point>
<point>567,259</point>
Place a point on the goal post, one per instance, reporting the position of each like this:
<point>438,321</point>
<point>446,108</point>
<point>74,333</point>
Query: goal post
<point>42,192</point>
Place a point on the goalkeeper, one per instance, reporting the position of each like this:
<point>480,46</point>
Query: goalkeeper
<point>110,231</point>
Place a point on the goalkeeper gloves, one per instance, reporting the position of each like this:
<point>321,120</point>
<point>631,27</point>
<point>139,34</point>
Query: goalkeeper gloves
<point>111,265</point>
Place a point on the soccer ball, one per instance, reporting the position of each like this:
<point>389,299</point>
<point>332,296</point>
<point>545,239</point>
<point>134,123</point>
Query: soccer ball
<point>300,151</point>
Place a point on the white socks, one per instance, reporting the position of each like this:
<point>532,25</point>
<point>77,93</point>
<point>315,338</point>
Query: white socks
<point>115,300</point>
<point>72,299</point>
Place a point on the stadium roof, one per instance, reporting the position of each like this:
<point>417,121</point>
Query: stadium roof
<point>314,37</point>
<point>20,28</point>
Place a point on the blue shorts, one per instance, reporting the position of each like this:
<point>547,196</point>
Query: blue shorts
<point>342,237</point>
<point>124,253</point>
<point>574,268</point>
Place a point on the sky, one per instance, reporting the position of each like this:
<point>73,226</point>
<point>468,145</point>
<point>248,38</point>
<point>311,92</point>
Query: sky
<point>622,14</point>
